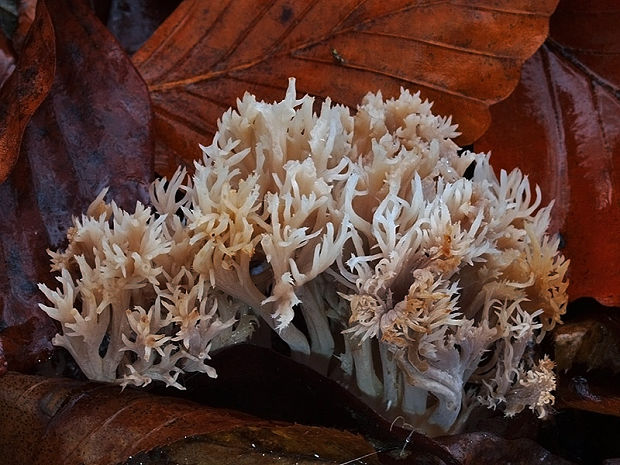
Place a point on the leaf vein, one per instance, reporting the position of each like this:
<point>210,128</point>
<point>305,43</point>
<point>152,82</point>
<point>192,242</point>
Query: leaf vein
<point>206,98</point>
<point>439,44</point>
<point>182,56</point>
<point>293,25</point>
<point>179,25</point>
<point>495,9</point>
<point>246,32</point>
<point>416,81</point>
<point>164,112</point>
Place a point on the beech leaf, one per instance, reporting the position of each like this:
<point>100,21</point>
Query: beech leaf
<point>464,56</point>
<point>562,127</point>
<point>7,59</point>
<point>92,131</point>
<point>47,420</point>
<point>26,87</point>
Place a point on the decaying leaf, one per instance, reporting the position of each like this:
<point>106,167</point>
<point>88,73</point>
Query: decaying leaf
<point>594,392</point>
<point>589,339</point>
<point>26,11</point>
<point>587,354</point>
<point>132,23</point>
<point>251,377</point>
<point>8,16</point>
<point>486,448</point>
<point>15,17</point>
<point>464,56</point>
<point>562,126</point>
<point>89,133</point>
<point>47,420</point>
<point>7,59</point>
<point>26,88</point>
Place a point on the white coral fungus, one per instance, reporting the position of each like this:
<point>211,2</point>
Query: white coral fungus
<point>433,285</point>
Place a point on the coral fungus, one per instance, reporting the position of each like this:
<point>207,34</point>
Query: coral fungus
<point>429,277</point>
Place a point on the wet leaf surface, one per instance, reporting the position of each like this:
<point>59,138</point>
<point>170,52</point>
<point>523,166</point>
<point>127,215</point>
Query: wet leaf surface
<point>251,445</point>
<point>562,126</point>
<point>88,133</point>
<point>58,420</point>
<point>589,338</point>
<point>592,391</point>
<point>486,448</point>
<point>269,385</point>
<point>462,55</point>
<point>47,420</point>
<point>587,351</point>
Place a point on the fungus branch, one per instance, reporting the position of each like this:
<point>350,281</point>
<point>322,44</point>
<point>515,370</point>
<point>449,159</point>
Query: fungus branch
<point>363,225</point>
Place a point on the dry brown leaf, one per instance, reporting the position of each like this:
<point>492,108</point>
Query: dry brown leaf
<point>464,56</point>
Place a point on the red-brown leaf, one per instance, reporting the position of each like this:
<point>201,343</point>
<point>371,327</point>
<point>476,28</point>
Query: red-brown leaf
<point>562,126</point>
<point>47,421</point>
<point>92,131</point>
<point>26,11</point>
<point>26,88</point>
<point>463,55</point>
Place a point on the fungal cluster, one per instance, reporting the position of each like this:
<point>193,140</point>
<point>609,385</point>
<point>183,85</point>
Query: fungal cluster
<point>426,276</point>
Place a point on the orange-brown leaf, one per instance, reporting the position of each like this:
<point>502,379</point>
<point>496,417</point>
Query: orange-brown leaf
<point>562,126</point>
<point>26,11</point>
<point>26,88</point>
<point>463,55</point>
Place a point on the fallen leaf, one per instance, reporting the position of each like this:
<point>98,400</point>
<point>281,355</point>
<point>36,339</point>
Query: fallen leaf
<point>464,56</point>
<point>590,391</point>
<point>26,11</point>
<point>562,127</point>
<point>8,16</point>
<point>26,88</point>
<point>589,34</point>
<point>20,18</point>
<point>7,59</point>
<point>589,338</point>
<point>56,420</point>
<point>486,448</point>
<point>132,23</point>
<point>92,131</point>
<point>587,356</point>
<point>271,386</point>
